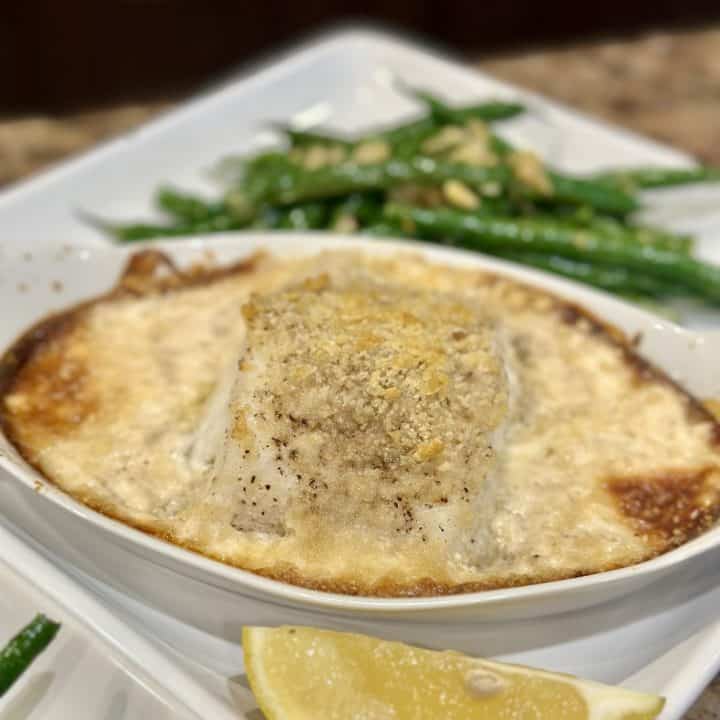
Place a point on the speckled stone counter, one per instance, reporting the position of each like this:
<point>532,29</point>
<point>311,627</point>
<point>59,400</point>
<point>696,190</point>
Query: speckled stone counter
<point>29,144</point>
<point>664,85</point>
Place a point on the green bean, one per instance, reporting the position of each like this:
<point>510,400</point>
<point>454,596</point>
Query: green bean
<point>613,279</point>
<point>408,137</point>
<point>642,233</point>
<point>392,135</point>
<point>184,206</point>
<point>500,146</point>
<point>285,182</point>
<point>492,234</point>
<point>266,163</point>
<point>232,170</point>
<point>135,232</point>
<point>585,217</point>
<point>20,652</point>
<point>590,192</point>
<point>488,111</point>
<point>235,171</point>
<point>491,111</point>
<point>305,138</point>
<point>498,110</point>
<point>663,239</point>
<point>593,193</point>
<point>366,208</point>
<point>399,137</point>
<point>304,216</point>
<point>410,134</point>
<point>276,179</point>
<point>658,177</point>
<point>295,184</point>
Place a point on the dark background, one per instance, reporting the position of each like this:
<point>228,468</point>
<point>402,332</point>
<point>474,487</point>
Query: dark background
<point>63,56</point>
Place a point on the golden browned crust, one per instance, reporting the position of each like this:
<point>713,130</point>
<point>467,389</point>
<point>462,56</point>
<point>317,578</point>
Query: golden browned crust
<point>643,369</point>
<point>670,508</point>
<point>425,587</point>
<point>147,272</point>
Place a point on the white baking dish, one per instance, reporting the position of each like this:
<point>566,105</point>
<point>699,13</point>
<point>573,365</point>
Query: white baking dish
<point>219,598</point>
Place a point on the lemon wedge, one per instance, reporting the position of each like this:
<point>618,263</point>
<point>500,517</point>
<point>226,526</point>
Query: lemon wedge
<point>302,672</point>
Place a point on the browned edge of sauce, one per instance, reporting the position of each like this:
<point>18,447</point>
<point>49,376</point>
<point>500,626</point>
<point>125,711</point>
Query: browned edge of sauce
<point>642,368</point>
<point>385,588</point>
<point>666,506</point>
<point>146,272</point>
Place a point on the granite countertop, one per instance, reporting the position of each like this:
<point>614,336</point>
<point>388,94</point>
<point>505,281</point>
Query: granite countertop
<point>665,85</point>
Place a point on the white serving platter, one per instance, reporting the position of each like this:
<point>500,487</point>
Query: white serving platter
<point>344,81</point>
<point>96,666</point>
<point>665,641</point>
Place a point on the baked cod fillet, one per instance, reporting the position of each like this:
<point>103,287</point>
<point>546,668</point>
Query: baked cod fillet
<point>368,413</point>
<point>378,426</point>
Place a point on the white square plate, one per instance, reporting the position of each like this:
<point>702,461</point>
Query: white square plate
<point>97,666</point>
<point>344,81</point>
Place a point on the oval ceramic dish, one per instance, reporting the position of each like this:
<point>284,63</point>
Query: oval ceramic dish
<point>215,596</point>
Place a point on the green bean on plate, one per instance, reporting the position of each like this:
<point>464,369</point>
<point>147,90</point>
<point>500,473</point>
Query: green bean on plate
<point>448,177</point>
<point>21,650</point>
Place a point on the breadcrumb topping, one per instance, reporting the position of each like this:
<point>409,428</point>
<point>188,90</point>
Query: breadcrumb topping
<point>368,406</point>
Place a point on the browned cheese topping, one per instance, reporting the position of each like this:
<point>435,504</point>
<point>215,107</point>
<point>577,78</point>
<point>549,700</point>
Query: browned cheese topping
<point>375,425</point>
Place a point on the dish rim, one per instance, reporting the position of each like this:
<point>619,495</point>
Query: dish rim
<point>230,247</point>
